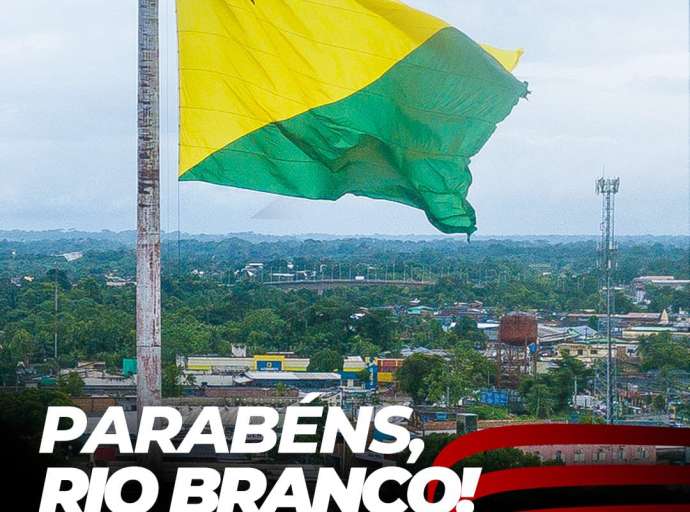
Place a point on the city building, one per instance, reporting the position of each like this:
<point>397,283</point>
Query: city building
<point>359,372</point>
<point>596,349</point>
<point>261,362</point>
<point>387,369</point>
<point>594,454</point>
<point>304,381</point>
<point>640,285</point>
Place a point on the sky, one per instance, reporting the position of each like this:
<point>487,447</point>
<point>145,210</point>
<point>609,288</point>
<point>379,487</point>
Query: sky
<point>609,84</point>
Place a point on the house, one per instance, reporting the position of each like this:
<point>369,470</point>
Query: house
<point>594,454</point>
<point>641,284</point>
<point>353,372</point>
<point>441,420</point>
<point>114,281</point>
<point>437,352</point>
<point>549,336</point>
<point>474,310</point>
<point>627,319</point>
<point>276,361</point>
<point>250,271</point>
<point>422,311</point>
<point>637,332</point>
<point>593,350</point>
<point>490,330</point>
<point>110,385</point>
<point>387,369</point>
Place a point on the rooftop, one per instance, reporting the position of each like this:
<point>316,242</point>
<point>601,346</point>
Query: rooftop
<point>293,376</point>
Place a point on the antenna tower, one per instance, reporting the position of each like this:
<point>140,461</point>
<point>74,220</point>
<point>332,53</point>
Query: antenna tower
<point>607,188</point>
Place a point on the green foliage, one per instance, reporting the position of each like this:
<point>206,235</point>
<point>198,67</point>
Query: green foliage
<point>413,375</point>
<point>663,298</point>
<point>661,351</point>
<point>550,394</point>
<point>495,460</point>
<point>71,384</point>
<point>466,329</point>
<point>488,412</point>
<point>540,397</point>
<point>206,313</point>
<point>326,360</point>
<point>593,322</point>
<point>659,403</point>
<point>465,371</point>
<point>434,379</point>
<point>173,381</point>
<point>587,418</point>
<point>22,346</point>
<point>364,375</point>
<point>21,427</point>
<point>23,414</point>
<point>364,347</point>
<point>60,277</point>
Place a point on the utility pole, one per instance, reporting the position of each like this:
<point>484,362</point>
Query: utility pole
<point>608,188</point>
<point>148,304</point>
<point>55,320</point>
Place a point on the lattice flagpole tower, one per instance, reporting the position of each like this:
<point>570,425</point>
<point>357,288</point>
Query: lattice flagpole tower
<point>607,188</point>
<point>148,297</point>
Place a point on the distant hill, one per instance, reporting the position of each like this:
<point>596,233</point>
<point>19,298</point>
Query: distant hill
<point>129,237</point>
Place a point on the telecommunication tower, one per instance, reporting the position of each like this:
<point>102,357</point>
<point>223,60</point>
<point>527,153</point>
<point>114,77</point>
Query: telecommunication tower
<point>607,188</point>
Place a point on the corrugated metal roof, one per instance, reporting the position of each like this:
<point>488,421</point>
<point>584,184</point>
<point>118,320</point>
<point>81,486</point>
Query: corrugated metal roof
<point>293,376</point>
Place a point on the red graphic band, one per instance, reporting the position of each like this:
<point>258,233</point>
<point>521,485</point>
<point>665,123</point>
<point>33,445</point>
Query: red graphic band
<point>617,508</point>
<point>566,476</point>
<point>579,476</point>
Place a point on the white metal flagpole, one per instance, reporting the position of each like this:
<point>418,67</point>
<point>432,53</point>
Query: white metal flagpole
<point>148,297</point>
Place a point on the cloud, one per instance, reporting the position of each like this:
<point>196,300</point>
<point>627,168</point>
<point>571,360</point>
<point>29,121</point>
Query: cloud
<point>609,82</point>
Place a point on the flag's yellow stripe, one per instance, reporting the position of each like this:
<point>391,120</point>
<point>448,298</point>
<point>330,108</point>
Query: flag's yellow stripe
<point>509,59</point>
<point>246,64</point>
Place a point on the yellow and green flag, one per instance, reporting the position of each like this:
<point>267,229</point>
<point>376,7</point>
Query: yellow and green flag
<point>321,98</point>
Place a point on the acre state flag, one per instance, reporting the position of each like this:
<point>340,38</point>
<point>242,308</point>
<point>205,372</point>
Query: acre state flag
<point>321,98</point>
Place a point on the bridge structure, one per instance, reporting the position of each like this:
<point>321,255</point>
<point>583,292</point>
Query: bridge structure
<point>324,276</point>
<point>320,285</point>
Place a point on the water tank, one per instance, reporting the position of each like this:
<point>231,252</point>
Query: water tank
<point>518,329</point>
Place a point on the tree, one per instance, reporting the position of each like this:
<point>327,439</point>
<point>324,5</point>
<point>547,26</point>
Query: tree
<point>363,347</point>
<point>413,376</point>
<point>61,277</point>
<point>660,351</point>
<point>659,403</point>
<point>561,380</point>
<point>364,375</point>
<point>326,360</point>
<point>71,384</point>
<point>593,322</point>
<point>495,460</point>
<point>172,381</point>
<point>539,397</point>
<point>91,289</point>
<point>488,412</point>
<point>429,334</point>
<point>263,329</point>
<point>377,326</point>
<point>22,346</point>
<point>551,393</point>
<point>466,370</point>
<point>466,329</point>
<point>21,427</point>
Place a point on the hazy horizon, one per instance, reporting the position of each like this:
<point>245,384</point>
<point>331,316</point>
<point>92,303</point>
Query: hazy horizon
<point>609,87</point>
<point>440,236</point>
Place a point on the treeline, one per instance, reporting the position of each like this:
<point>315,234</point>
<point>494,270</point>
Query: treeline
<point>480,259</point>
<point>206,312</point>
